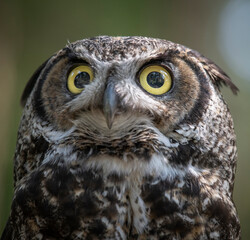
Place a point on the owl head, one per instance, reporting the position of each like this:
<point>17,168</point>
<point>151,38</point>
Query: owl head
<point>110,83</point>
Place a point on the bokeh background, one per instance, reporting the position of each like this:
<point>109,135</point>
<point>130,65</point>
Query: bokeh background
<point>31,31</point>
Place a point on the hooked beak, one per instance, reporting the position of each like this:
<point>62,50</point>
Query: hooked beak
<point>110,101</point>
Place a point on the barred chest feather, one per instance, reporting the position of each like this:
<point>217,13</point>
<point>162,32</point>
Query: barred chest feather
<point>85,195</point>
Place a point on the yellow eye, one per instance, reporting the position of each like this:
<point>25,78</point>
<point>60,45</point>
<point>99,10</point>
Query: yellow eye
<point>78,78</point>
<point>155,80</point>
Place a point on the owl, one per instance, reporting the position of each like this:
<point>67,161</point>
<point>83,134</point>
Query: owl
<point>125,138</point>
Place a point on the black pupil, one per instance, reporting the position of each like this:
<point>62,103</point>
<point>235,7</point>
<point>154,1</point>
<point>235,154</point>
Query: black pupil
<point>155,79</point>
<point>82,79</point>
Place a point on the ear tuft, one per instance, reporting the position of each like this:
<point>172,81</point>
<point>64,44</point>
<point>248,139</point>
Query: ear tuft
<point>217,75</point>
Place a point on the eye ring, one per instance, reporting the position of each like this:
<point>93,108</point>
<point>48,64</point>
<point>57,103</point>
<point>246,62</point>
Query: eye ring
<point>155,79</point>
<point>78,78</point>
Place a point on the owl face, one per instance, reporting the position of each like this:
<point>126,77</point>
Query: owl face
<point>105,82</point>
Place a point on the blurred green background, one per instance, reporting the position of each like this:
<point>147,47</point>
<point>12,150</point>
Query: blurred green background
<point>31,31</point>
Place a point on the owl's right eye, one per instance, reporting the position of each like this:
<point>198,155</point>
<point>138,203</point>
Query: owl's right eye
<point>78,78</point>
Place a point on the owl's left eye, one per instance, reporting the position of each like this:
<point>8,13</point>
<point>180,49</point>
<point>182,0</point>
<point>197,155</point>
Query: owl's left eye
<point>155,79</point>
<point>78,78</point>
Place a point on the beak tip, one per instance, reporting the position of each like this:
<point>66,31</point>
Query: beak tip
<point>109,121</point>
<point>109,125</point>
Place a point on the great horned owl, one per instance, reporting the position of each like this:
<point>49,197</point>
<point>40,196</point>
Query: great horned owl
<point>125,138</point>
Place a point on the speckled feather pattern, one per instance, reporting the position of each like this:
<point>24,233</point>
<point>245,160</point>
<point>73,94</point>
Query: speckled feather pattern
<point>165,170</point>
